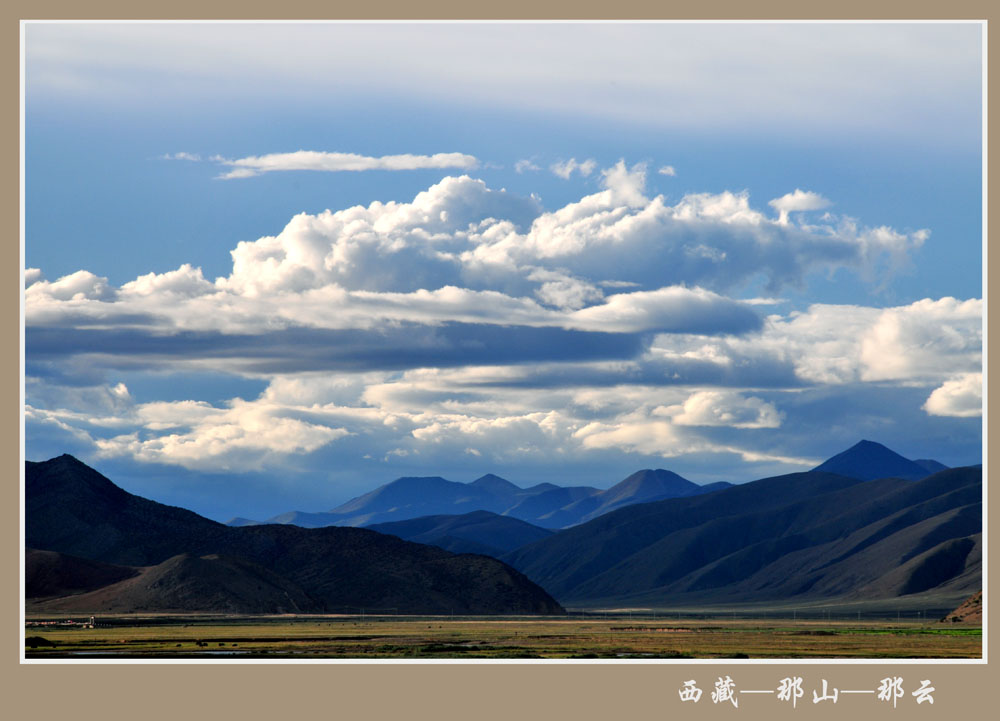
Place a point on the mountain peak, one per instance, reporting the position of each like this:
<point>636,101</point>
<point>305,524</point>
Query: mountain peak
<point>65,460</point>
<point>491,482</point>
<point>72,477</point>
<point>649,477</point>
<point>647,485</point>
<point>868,460</point>
<point>864,443</point>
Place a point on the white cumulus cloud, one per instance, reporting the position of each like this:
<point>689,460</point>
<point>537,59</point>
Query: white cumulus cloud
<point>243,437</point>
<point>725,408</point>
<point>799,200</point>
<point>186,281</point>
<point>79,286</point>
<point>566,168</point>
<point>960,397</point>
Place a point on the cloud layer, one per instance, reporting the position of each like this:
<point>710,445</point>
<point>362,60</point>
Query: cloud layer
<point>473,323</point>
<point>832,77</point>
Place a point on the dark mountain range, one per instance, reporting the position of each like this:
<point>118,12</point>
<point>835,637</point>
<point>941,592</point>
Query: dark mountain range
<point>545,504</point>
<point>475,532</point>
<point>802,535</point>
<point>652,539</point>
<point>868,460</point>
<point>197,563</point>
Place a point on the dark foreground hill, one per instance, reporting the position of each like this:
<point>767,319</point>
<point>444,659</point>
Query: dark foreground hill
<point>50,574</point>
<point>183,583</point>
<point>803,535</point>
<point>544,505</point>
<point>200,564</point>
<point>475,532</point>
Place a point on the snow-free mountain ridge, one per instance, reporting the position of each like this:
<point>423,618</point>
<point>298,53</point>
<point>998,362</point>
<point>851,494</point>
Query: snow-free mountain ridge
<point>556,507</point>
<point>544,504</point>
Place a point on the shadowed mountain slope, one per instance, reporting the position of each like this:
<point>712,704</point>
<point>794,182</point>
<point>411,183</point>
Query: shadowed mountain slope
<point>187,583</point>
<point>476,532</point>
<point>48,574</point>
<point>810,534</point>
<point>73,509</point>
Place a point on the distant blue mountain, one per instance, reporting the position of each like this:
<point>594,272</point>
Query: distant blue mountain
<point>545,504</point>
<point>476,532</point>
<point>867,460</point>
<point>556,507</point>
<point>641,487</point>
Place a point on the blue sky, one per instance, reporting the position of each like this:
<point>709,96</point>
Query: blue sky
<point>555,252</point>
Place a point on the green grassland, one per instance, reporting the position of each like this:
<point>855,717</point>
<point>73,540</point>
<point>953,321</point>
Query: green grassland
<point>607,637</point>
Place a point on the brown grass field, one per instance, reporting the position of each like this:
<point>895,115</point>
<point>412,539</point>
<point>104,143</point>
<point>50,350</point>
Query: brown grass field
<point>610,637</point>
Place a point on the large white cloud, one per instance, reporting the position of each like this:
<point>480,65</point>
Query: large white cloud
<point>459,232</point>
<point>460,252</point>
<point>460,237</point>
<point>960,397</point>
<point>386,246</point>
<point>716,240</point>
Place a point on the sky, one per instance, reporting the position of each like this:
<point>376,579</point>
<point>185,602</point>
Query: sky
<point>271,266</point>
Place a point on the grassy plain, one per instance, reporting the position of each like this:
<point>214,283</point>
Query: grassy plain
<point>607,637</point>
